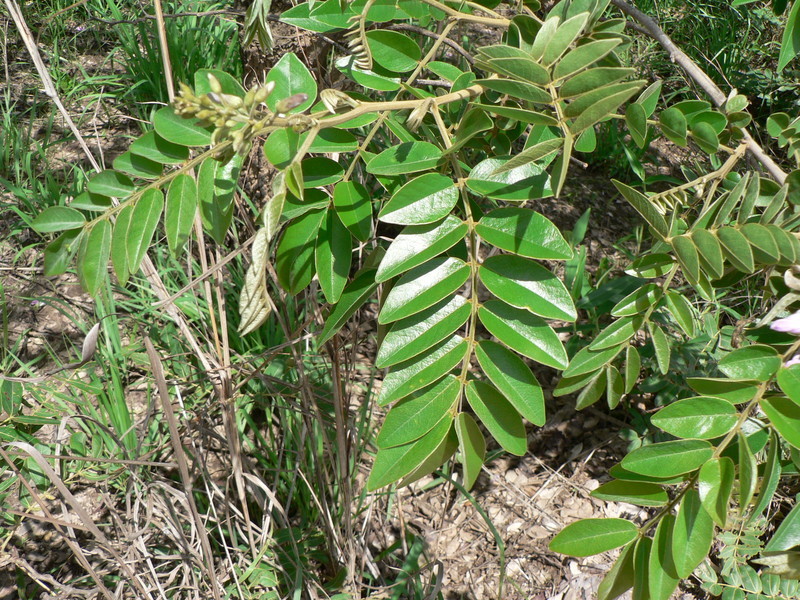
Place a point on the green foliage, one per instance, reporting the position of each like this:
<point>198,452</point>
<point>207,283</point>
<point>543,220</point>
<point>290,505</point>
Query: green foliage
<point>417,197</point>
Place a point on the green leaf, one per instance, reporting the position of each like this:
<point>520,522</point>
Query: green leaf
<point>521,68</point>
<point>765,248</point>
<point>563,37</point>
<point>661,346</point>
<point>513,379</point>
<point>413,417</point>
<point>333,256</point>
<point>499,417</point>
<point>788,534</point>
<point>709,252</point>
<point>673,125</point>
<point>354,206</point>
<point>472,123</point>
<point>702,418</point>
<point>519,114</point>
<point>58,218</point>
<point>736,249</point>
<point>445,70</point>
<point>618,472</point>
<point>583,56</point>
<point>112,184</point>
<point>328,16</point>
<point>419,243</point>
<point>706,137</point>
<point>790,42</point>
<point>641,558</point>
<point>619,332</point>
<point>757,362</point>
<point>602,107</point>
<point>786,242</point>
<point>593,391</point>
<point>734,391</point>
<point>119,244</point>
<point>180,211</point>
<point>178,130</point>
<point>682,311</point>
<point>593,536</point>
<point>154,147</point>
<point>216,184</point>
<point>637,301</point>
<point>636,120</point>
<point>692,535</point>
<point>422,287</point>
<point>748,473</point>
<point>226,81</point>
<point>59,253</point>
<point>93,257</point>
<point>330,140</point>
<point>714,486</point>
<point>789,381</point>
<point>644,207</point>
<point>661,576</point>
<point>395,463</point>
<point>355,294</point>
<point>291,77</point>
<point>632,492</point>
<point>544,35</point>
<point>592,79</point>
<point>408,157</point>
<point>415,334</point>
<point>784,414</point>
<point>526,284</point>
<point>620,577</point>
<point>531,154</point>
<point>523,332</point>
<point>423,369</point>
<point>517,89</point>
<point>367,79</point>
<point>587,361</point>
<point>687,256</point>
<point>772,476</point>
<point>422,200</point>
<point>144,220</point>
<point>91,202</point>
<point>393,51</point>
<point>667,459</point>
<point>441,454</point>
<point>648,99</point>
<point>138,166</point>
<point>294,257</point>
<point>633,364</point>
<point>472,447</point>
<point>320,171</point>
<point>281,147</point>
<point>527,182</point>
<point>525,232</point>
<point>615,386</point>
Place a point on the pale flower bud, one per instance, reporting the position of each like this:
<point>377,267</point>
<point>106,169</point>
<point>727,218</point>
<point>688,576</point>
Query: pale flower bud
<point>790,324</point>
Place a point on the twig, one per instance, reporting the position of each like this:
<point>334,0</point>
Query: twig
<point>162,41</point>
<point>676,55</point>
<point>432,34</point>
<point>183,467</point>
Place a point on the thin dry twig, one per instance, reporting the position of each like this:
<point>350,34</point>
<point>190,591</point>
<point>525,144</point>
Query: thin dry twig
<point>183,467</point>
